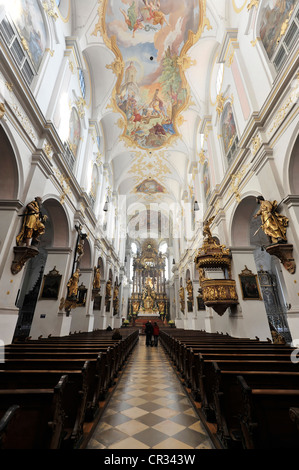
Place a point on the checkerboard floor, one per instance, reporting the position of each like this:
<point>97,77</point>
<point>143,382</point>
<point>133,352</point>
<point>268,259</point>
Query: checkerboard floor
<point>149,408</point>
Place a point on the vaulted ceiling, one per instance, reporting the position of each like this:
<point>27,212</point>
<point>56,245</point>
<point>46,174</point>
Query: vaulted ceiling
<point>150,68</point>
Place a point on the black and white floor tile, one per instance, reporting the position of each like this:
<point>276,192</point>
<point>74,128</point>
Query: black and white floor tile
<point>149,408</point>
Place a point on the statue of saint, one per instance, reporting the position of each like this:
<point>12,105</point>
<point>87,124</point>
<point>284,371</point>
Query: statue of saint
<point>189,288</point>
<point>73,284</point>
<point>108,289</point>
<point>97,278</point>
<point>33,224</point>
<point>273,224</point>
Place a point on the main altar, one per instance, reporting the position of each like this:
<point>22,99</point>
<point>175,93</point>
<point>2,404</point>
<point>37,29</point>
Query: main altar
<point>148,295</point>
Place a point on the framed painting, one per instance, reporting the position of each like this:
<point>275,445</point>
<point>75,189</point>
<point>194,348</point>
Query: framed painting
<point>51,285</point>
<point>249,285</point>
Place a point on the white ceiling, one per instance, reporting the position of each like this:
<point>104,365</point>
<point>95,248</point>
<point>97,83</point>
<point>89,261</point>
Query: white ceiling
<point>131,165</point>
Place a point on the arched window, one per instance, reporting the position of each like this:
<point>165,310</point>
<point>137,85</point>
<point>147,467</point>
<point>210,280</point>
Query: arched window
<point>82,83</point>
<point>163,248</point>
<point>134,248</point>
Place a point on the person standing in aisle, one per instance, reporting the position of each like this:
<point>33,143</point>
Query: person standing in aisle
<point>156,332</point>
<point>148,333</point>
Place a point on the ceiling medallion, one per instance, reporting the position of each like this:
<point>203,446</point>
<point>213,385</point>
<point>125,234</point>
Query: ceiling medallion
<point>150,41</point>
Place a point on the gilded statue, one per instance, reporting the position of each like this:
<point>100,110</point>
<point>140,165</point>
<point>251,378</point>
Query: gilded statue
<point>161,306</point>
<point>33,224</point>
<point>189,289</point>
<point>182,294</point>
<point>108,289</point>
<point>274,224</point>
<point>135,306</point>
<point>206,228</point>
<point>97,278</point>
<point>73,284</point>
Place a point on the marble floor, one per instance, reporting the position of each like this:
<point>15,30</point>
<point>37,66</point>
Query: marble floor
<point>149,408</point>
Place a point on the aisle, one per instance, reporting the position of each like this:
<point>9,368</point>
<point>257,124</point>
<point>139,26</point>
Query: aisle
<point>149,408</point>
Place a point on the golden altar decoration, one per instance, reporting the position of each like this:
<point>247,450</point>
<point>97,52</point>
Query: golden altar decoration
<point>148,292</point>
<point>220,294</point>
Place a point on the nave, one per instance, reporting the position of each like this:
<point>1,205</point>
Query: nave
<point>149,408</point>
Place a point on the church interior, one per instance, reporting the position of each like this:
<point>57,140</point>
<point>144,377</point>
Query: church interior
<point>149,176</point>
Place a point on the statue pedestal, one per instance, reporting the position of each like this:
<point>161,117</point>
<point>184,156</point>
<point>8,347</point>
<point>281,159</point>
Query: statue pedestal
<point>284,252</point>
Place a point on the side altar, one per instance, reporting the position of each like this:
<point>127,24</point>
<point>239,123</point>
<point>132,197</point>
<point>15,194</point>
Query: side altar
<point>148,295</point>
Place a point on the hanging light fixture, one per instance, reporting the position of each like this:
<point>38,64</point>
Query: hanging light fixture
<point>105,209</point>
<point>196,206</point>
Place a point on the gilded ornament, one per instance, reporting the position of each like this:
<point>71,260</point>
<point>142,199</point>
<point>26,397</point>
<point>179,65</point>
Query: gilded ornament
<point>252,4</point>
<point>2,110</point>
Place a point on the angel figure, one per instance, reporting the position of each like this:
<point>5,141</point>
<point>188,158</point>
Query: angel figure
<point>273,224</point>
<point>156,16</point>
<point>206,228</point>
<point>131,19</point>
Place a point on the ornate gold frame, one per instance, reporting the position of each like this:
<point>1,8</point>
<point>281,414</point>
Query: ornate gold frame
<point>247,273</point>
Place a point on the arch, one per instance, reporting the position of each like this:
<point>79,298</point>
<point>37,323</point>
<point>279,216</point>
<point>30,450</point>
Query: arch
<point>101,265</point>
<point>293,168</point>
<point>9,175</point>
<point>242,217</point>
<point>57,223</point>
<point>85,262</point>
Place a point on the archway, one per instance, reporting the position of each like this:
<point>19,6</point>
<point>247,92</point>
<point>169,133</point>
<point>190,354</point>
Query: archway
<point>56,236</point>
<point>247,233</point>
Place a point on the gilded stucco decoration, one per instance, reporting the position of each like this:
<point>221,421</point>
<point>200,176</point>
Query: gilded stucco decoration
<point>150,41</point>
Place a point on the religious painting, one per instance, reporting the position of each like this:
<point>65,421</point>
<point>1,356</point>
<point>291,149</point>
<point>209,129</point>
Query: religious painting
<point>249,285</point>
<point>150,186</point>
<point>150,40</point>
<point>274,22</point>
<point>94,183</point>
<point>206,179</point>
<point>74,131</point>
<point>51,285</point>
<point>228,127</point>
<point>28,19</point>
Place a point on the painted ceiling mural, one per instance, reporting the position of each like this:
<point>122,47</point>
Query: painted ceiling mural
<point>150,40</point>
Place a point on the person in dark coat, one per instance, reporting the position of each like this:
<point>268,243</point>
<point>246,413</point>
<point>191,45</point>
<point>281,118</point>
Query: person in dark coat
<point>148,333</point>
<point>156,331</point>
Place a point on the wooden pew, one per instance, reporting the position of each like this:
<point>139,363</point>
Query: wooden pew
<point>90,362</point>
<point>75,396</point>
<point>202,368</point>
<point>39,424</point>
<point>7,423</point>
<point>264,417</point>
<point>98,385</point>
<point>227,399</point>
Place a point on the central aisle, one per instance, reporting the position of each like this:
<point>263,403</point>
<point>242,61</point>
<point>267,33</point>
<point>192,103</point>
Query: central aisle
<point>149,408</point>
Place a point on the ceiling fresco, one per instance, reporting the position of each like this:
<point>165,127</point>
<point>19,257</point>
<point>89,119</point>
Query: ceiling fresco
<point>150,41</point>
